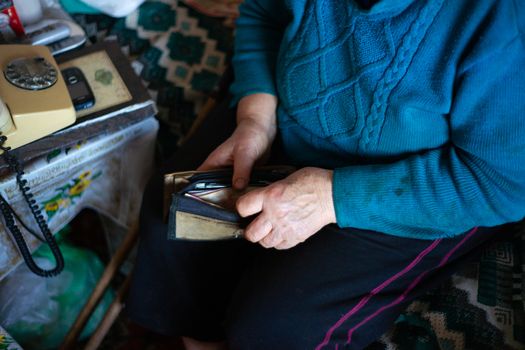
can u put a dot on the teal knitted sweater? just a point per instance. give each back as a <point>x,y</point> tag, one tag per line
<point>417,105</point>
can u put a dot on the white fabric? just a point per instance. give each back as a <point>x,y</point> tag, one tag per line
<point>114,8</point>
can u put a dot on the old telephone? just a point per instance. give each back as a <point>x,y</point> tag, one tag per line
<point>34,102</point>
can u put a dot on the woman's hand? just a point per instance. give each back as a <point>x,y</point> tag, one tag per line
<point>251,141</point>
<point>290,210</point>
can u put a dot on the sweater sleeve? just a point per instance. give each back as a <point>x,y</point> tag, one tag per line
<point>477,179</point>
<point>259,31</point>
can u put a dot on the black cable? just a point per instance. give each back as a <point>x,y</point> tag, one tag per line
<point>10,215</point>
<point>15,215</point>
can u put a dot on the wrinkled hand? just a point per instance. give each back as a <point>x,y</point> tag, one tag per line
<point>250,142</point>
<point>290,210</point>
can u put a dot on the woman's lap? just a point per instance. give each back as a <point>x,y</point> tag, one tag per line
<point>314,294</point>
<point>339,285</point>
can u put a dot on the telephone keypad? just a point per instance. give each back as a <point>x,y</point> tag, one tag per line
<point>31,73</point>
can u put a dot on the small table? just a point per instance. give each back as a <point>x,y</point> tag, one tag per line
<point>102,162</point>
<point>104,166</point>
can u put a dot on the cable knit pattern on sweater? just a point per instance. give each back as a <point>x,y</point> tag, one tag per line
<point>417,105</point>
<point>396,69</point>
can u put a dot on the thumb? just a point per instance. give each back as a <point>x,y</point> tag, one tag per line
<point>250,203</point>
<point>242,167</point>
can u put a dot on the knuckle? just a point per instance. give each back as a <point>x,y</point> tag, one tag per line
<point>280,212</point>
<point>270,240</point>
<point>266,242</point>
<point>246,149</point>
<point>275,192</point>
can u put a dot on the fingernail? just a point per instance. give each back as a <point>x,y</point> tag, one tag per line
<point>240,183</point>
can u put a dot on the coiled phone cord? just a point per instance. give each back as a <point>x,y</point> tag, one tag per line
<point>10,215</point>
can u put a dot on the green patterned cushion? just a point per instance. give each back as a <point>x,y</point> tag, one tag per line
<point>178,52</point>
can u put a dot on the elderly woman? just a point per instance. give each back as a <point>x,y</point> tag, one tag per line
<point>405,120</point>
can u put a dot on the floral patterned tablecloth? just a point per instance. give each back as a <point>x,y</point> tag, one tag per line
<point>107,174</point>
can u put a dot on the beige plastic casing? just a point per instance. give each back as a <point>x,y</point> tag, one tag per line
<point>30,115</point>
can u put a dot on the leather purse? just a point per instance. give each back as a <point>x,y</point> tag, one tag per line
<point>200,205</point>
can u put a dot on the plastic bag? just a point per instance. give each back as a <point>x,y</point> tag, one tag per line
<point>38,312</point>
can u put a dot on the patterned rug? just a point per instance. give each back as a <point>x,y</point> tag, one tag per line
<point>481,307</point>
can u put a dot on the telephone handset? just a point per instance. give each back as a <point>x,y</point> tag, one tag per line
<point>34,102</point>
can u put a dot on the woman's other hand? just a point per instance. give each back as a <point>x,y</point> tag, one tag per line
<point>291,210</point>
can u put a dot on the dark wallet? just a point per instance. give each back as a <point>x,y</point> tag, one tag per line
<point>200,205</point>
